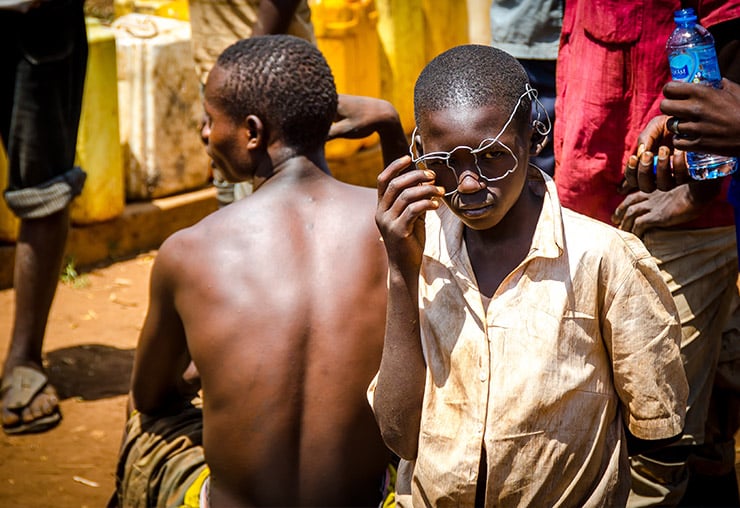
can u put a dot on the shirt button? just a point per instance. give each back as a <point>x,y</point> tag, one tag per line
<point>483,375</point>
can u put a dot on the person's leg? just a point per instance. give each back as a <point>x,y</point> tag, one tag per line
<point>38,259</point>
<point>39,128</point>
<point>713,467</point>
<point>700,267</point>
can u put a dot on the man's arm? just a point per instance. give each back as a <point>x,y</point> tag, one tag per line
<point>157,383</point>
<point>359,117</point>
<point>404,196</point>
<point>274,16</point>
<point>709,118</point>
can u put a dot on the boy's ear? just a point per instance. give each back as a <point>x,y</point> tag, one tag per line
<point>539,140</point>
<point>417,145</point>
<point>255,130</point>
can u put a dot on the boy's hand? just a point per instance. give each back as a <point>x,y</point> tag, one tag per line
<point>405,194</point>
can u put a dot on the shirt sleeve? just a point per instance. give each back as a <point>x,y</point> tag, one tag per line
<point>643,334</point>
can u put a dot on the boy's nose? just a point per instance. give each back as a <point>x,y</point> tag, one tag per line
<point>469,182</point>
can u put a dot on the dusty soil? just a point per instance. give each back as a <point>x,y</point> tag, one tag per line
<point>89,348</point>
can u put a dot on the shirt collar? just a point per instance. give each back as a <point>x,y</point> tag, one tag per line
<point>444,230</point>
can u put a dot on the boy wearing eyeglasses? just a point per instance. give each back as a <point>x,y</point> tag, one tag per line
<point>525,344</point>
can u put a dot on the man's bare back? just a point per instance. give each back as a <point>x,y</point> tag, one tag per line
<point>277,300</point>
<point>276,341</point>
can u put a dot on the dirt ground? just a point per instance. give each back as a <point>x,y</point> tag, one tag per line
<point>89,348</point>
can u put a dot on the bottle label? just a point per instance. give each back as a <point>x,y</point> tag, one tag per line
<point>695,65</point>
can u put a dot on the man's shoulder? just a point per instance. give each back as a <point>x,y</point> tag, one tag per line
<point>182,246</point>
<point>357,191</point>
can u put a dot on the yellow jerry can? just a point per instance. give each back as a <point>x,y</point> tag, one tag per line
<point>8,222</point>
<point>445,25</point>
<point>346,33</point>
<point>403,55</point>
<point>175,9</point>
<point>98,139</point>
<point>412,32</point>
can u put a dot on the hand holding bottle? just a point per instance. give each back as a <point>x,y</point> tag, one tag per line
<point>709,117</point>
<point>693,59</point>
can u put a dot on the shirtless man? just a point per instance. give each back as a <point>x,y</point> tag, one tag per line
<point>278,301</point>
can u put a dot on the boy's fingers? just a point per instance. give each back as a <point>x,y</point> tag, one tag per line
<point>390,172</point>
<point>401,174</point>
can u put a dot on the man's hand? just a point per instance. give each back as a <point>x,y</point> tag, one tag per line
<point>670,170</point>
<point>707,116</point>
<point>641,211</point>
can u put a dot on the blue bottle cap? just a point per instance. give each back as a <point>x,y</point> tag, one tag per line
<point>685,16</point>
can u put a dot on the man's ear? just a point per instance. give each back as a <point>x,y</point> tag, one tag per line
<point>539,139</point>
<point>255,130</point>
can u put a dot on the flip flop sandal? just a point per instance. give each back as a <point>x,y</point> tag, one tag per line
<point>18,392</point>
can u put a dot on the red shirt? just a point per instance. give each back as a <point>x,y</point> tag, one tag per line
<point>611,70</point>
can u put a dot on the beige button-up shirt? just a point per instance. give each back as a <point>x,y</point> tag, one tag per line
<point>580,338</point>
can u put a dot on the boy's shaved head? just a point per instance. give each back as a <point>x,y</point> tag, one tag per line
<point>283,80</point>
<point>471,76</point>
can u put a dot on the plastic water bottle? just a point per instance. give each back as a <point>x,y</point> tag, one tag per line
<point>693,59</point>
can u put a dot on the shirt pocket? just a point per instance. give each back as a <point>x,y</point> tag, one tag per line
<point>612,21</point>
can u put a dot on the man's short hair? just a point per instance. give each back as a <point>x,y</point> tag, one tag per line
<point>286,82</point>
<point>472,75</point>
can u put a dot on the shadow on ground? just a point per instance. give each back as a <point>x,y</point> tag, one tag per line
<point>90,371</point>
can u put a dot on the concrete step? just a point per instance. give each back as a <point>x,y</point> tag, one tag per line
<point>143,226</point>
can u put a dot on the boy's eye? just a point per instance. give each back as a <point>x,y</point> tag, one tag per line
<point>492,155</point>
<point>436,164</point>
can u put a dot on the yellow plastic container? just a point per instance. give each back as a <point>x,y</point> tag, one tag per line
<point>98,141</point>
<point>445,25</point>
<point>403,54</point>
<point>8,222</point>
<point>175,9</point>
<point>479,21</point>
<point>346,33</point>
<point>412,32</point>
<point>160,107</point>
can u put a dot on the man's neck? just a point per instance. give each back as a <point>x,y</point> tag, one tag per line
<point>286,164</point>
